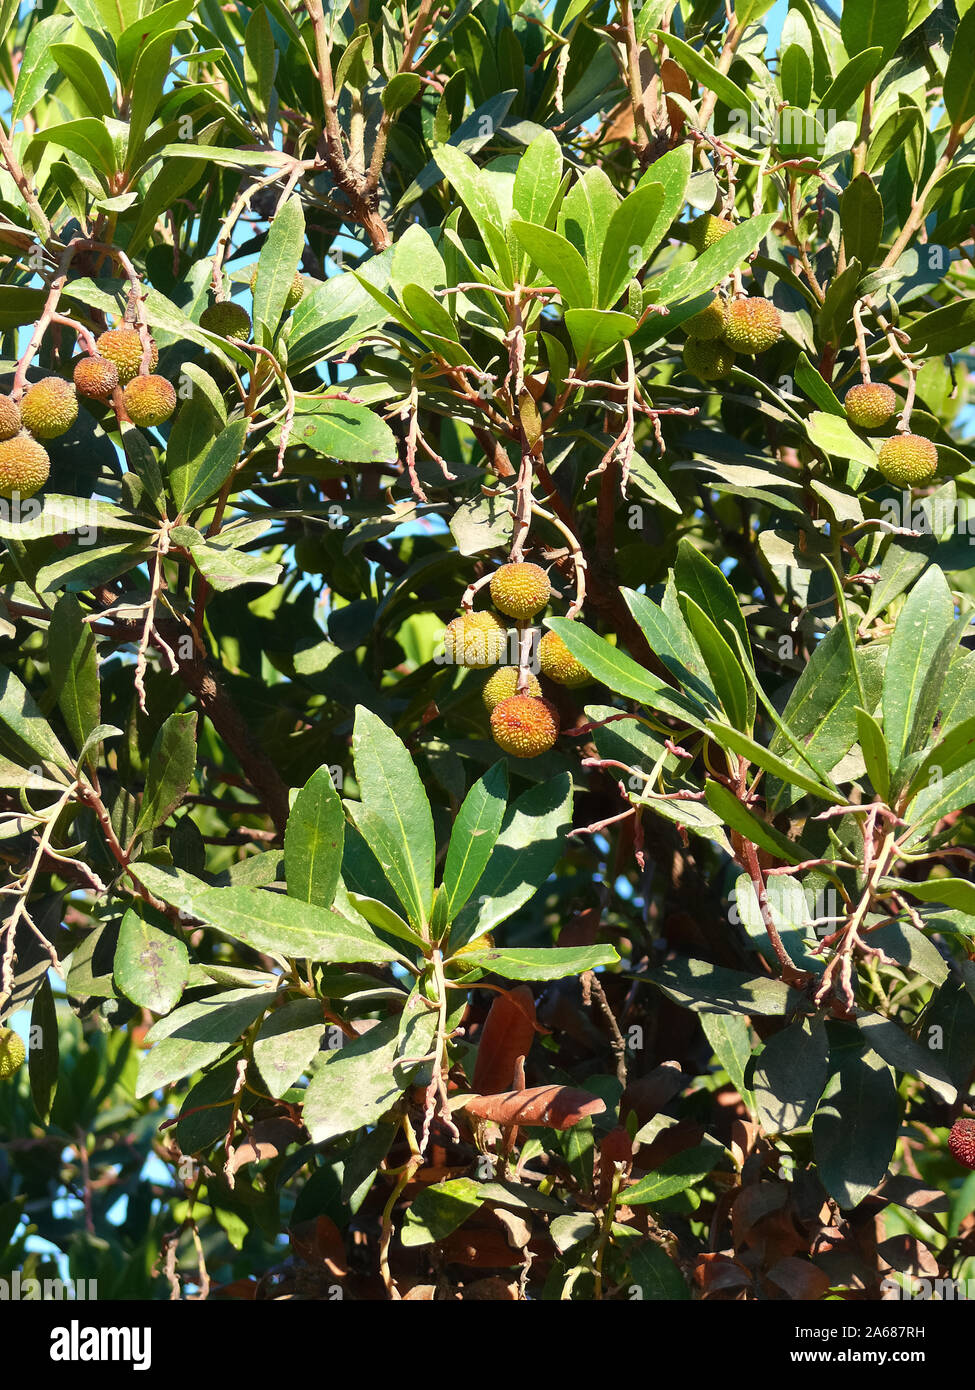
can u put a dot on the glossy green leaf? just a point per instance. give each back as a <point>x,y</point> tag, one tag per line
<point>313,841</point>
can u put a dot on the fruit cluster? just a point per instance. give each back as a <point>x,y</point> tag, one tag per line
<point>721,330</point>
<point>905,459</point>
<point>50,407</point>
<point>522,723</point>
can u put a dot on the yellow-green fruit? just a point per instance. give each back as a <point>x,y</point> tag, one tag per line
<point>705,230</point>
<point>558,663</point>
<point>503,684</point>
<point>869,406</point>
<point>50,408</point>
<point>708,323</point>
<point>9,418</point>
<point>295,293</point>
<point>24,466</point>
<point>475,639</point>
<point>751,325</point>
<point>123,346</point>
<point>228,319</point>
<point>708,360</point>
<point>12,1053</point>
<point>907,459</point>
<point>95,377</point>
<point>520,590</point>
<point>150,400</point>
<point>524,726</point>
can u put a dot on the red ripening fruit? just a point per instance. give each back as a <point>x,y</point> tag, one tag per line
<point>524,726</point>
<point>961,1141</point>
<point>507,1035</point>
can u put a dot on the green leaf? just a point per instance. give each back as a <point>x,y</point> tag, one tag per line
<point>723,666</point>
<point>477,195</point>
<point>955,750</point>
<point>198,481</point>
<point>197,1034</point>
<point>151,73</point>
<point>874,749</point>
<point>923,622</point>
<point>23,729</point>
<point>899,1050</point>
<point>558,261</point>
<point>862,220</point>
<point>621,673</point>
<point>151,966</point>
<point>287,927</point>
<point>345,431</point>
<point>850,83</point>
<point>656,1275</point>
<point>687,1169</point>
<point>288,1042</point>
<point>697,578</point>
<point>790,1076</point>
<point>313,841</point>
<point>473,838</point>
<point>953,892</point>
<point>44,1053</point>
<point>355,1084</point>
<point>855,1130</point>
<point>169,771</point>
<point>780,768</point>
<point>276,269</point>
<point>809,381</point>
<point>527,850</point>
<point>84,72</point>
<point>440,1209</point>
<point>391,791</point>
<point>709,77</point>
<point>259,61</point>
<point>950,329</point>
<point>707,988</point>
<point>624,251</point>
<point>731,1043</point>
<point>537,180</point>
<point>586,212</point>
<point>737,815</point>
<point>686,281</point>
<point>869,23</point>
<point>400,91</point>
<point>959,82</point>
<point>88,138</point>
<point>595,331</point>
<point>223,566</point>
<point>546,963</point>
<point>74,669</point>
<point>38,64</point>
<point>835,437</point>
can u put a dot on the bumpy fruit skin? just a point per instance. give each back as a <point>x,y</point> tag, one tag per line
<point>12,1053</point>
<point>908,459</point>
<point>24,466</point>
<point>150,400</point>
<point>524,726</point>
<point>228,319</point>
<point>705,230</point>
<point>123,346</point>
<point>711,361</point>
<point>503,684</point>
<point>869,406</point>
<point>558,663</point>
<point>9,418</point>
<point>475,639</point>
<point>50,408</point>
<point>961,1141</point>
<point>296,292</point>
<point>95,377</point>
<point>520,590</point>
<point>707,324</point>
<point>751,325</point>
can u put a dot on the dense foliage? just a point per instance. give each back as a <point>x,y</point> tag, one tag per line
<point>648,973</point>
